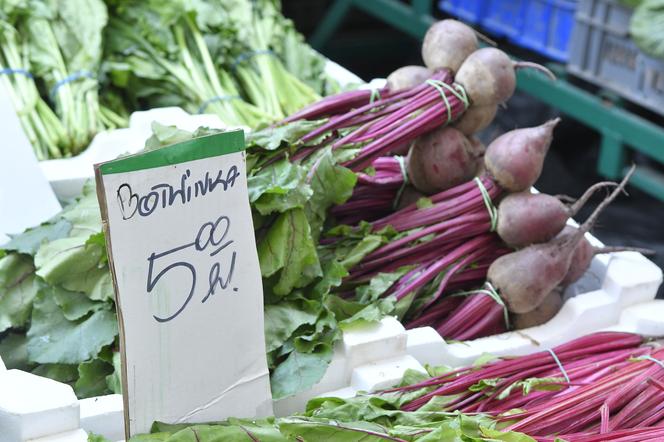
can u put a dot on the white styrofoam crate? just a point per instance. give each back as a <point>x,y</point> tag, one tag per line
<point>32,406</point>
<point>103,415</point>
<point>68,436</point>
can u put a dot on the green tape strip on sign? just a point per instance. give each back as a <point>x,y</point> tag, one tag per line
<point>197,149</point>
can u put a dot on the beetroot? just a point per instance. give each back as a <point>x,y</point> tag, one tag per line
<point>526,218</point>
<point>406,77</point>
<point>446,45</point>
<point>476,118</point>
<point>515,158</point>
<point>541,314</point>
<point>585,252</point>
<point>489,76</point>
<point>525,277</point>
<point>442,159</point>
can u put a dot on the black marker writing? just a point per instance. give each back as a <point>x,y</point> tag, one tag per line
<point>211,239</point>
<point>165,195</point>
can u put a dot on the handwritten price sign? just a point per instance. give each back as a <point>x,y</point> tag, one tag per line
<point>187,279</point>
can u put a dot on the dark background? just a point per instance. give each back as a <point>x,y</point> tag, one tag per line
<point>371,49</point>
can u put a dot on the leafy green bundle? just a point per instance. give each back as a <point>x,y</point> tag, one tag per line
<point>158,54</point>
<point>214,56</point>
<point>75,68</point>
<point>51,59</point>
<point>367,418</point>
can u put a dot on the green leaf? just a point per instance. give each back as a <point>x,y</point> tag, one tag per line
<point>154,437</point>
<point>282,180</point>
<point>92,437</point>
<point>412,377</point>
<point>379,285</point>
<point>273,138</point>
<point>372,313</point>
<point>113,380</point>
<point>485,384</point>
<point>320,430</point>
<point>333,274</point>
<point>437,370</point>
<point>367,245</point>
<point>299,372</point>
<point>510,436</point>
<point>484,359</point>
<point>84,214</point>
<point>92,378</point>
<point>282,319</point>
<point>29,241</point>
<point>65,259</point>
<point>342,308</point>
<point>424,203</point>
<point>14,351</point>
<point>236,430</point>
<point>276,203</point>
<point>100,240</point>
<point>331,184</point>
<point>534,384</point>
<point>18,288</point>
<point>73,305</point>
<point>52,338</point>
<point>66,373</point>
<point>288,247</point>
<point>163,135</point>
<point>96,283</point>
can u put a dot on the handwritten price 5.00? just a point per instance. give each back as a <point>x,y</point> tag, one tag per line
<point>211,239</point>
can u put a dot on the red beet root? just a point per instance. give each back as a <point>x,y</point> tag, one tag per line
<point>406,77</point>
<point>442,159</point>
<point>526,218</point>
<point>525,277</point>
<point>585,252</point>
<point>446,45</point>
<point>549,307</point>
<point>515,158</point>
<point>489,76</point>
<point>476,118</point>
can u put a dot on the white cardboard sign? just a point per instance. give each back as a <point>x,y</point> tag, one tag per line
<point>188,287</point>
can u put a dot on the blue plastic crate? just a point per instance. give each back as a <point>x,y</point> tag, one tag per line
<point>471,11</point>
<point>547,27</point>
<point>504,18</point>
<point>544,26</point>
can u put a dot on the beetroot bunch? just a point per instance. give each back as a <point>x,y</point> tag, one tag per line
<point>464,239</point>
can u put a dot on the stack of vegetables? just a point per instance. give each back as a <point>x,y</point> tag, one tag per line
<point>405,256</point>
<point>601,387</point>
<point>50,65</point>
<point>73,68</point>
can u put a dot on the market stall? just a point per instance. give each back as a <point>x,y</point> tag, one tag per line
<point>249,230</point>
